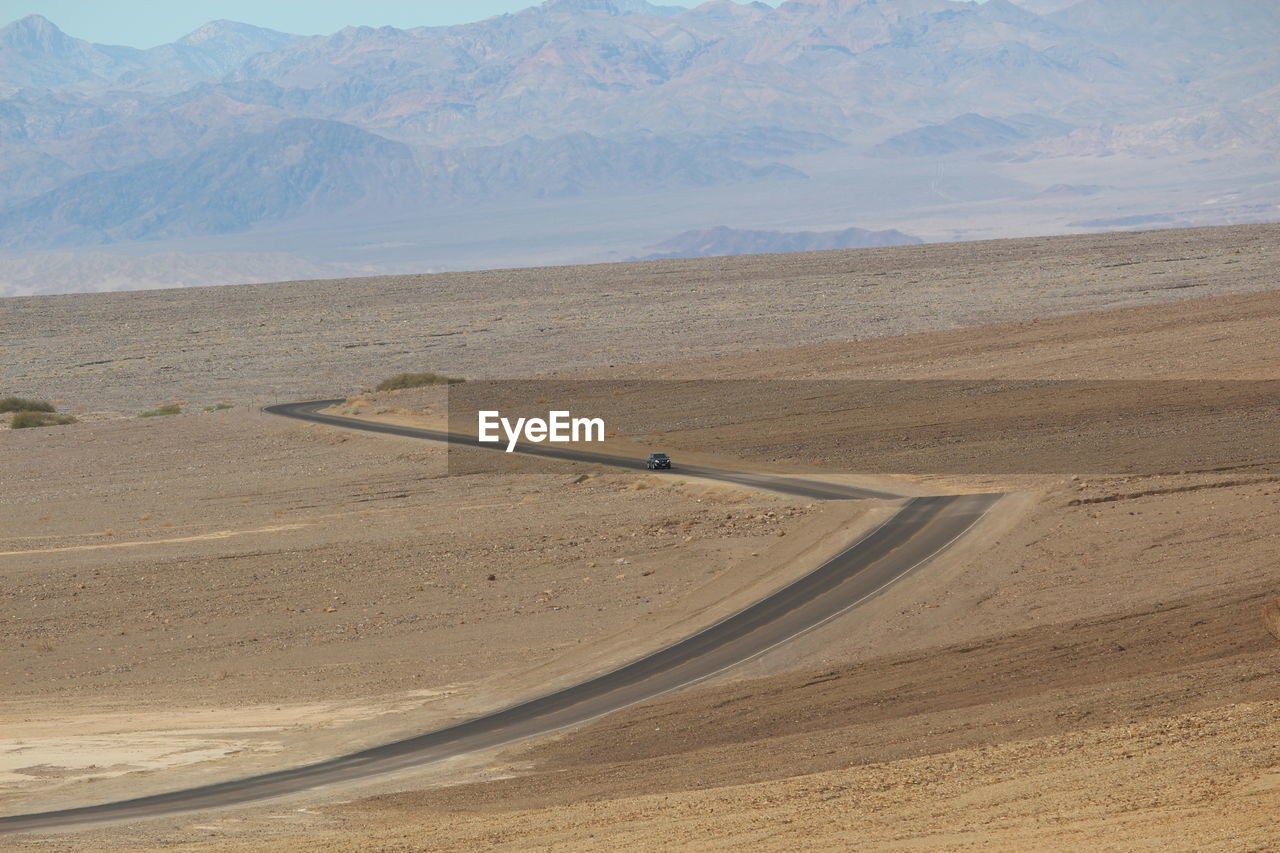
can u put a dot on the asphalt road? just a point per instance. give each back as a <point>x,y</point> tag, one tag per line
<point>312,411</point>
<point>922,527</point>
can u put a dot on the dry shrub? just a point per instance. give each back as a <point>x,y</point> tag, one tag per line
<point>28,420</point>
<point>416,380</point>
<point>24,404</point>
<point>161,411</point>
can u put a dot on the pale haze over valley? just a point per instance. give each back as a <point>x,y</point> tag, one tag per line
<point>604,130</point>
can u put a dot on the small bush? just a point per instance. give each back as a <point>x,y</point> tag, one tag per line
<point>159,411</point>
<point>218,407</point>
<point>416,380</point>
<point>27,420</point>
<point>22,404</point>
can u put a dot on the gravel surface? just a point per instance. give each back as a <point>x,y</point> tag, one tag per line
<point>129,351</point>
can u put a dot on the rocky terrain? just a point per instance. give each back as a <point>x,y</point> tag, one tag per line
<point>121,354</point>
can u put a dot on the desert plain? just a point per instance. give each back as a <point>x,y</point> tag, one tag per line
<point>211,594</point>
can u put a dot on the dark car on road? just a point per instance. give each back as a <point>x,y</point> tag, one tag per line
<point>657,460</point>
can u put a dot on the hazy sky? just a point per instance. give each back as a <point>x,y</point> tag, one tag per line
<point>146,23</point>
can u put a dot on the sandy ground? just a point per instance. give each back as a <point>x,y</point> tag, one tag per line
<point>1090,675</point>
<point>1224,337</point>
<point>1125,786</point>
<point>259,591</point>
<point>195,596</point>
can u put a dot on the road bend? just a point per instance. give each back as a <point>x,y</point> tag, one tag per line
<point>921,528</point>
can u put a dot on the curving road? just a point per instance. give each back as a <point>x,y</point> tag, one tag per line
<point>921,529</point>
<point>313,411</point>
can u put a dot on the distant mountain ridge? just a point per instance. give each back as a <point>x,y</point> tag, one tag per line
<point>307,167</point>
<point>970,132</point>
<point>300,167</point>
<point>722,240</point>
<point>219,47</point>
<point>592,99</point>
<point>35,53</point>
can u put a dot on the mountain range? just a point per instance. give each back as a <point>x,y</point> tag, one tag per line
<point>722,240</point>
<point>677,114</point>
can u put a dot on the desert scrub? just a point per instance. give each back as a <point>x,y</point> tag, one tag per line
<point>416,380</point>
<point>159,411</point>
<point>29,419</point>
<point>22,404</point>
<point>218,407</point>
